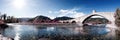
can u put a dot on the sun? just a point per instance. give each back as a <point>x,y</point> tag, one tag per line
<point>19,3</point>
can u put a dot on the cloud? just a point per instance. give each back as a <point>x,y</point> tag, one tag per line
<point>78,14</point>
<point>69,12</point>
<point>50,12</point>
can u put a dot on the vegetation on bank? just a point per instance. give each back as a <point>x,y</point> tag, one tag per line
<point>8,19</point>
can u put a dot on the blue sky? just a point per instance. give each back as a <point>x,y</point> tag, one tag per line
<point>56,8</point>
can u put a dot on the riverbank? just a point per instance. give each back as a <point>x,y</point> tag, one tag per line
<point>5,38</point>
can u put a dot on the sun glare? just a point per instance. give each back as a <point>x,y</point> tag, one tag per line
<point>19,3</point>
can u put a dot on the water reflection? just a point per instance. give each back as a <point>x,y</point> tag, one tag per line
<point>22,32</point>
<point>31,32</point>
<point>96,30</point>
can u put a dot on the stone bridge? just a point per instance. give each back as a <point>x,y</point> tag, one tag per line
<point>108,15</point>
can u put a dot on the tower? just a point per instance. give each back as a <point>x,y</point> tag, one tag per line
<point>94,11</point>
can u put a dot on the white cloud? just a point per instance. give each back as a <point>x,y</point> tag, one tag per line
<point>70,13</point>
<point>49,11</point>
<point>78,15</point>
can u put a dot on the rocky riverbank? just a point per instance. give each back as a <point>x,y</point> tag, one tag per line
<point>5,38</point>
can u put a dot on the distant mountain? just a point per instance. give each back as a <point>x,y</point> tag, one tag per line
<point>42,18</point>
<point>39,18</point>
<point>63,18</point>
<point>23,19</point>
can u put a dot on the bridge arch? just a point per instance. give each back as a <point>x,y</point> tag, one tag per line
<point>88,17</point>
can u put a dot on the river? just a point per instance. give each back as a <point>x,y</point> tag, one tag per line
<point>36,32</point>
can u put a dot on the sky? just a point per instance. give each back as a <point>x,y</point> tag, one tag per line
<point>56,8</point>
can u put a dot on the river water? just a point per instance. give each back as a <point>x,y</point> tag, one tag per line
<point>35,32</point>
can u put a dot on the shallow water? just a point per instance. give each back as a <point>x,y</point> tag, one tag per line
<point>31,32</point>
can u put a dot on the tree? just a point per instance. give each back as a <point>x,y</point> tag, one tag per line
<point>117,17</point>
<point>4,16</point>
